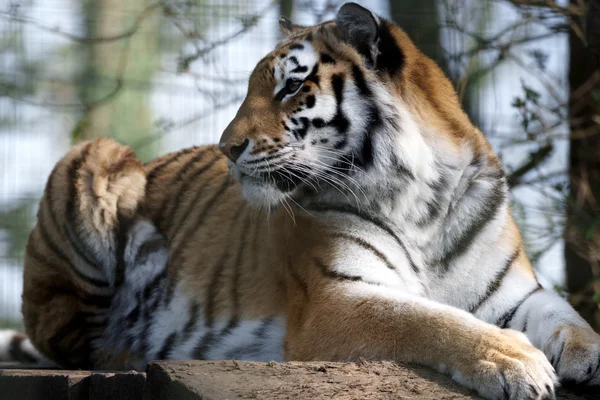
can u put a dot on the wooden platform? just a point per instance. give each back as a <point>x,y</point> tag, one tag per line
<point>212,380</point>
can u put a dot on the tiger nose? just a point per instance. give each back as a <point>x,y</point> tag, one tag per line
<point>233,150</point>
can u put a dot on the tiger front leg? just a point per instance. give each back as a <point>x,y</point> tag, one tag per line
<point>342,321</point>
<point>568,341</point>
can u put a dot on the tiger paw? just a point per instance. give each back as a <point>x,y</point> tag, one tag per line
<point>574,351</point>
<point>507,366</point>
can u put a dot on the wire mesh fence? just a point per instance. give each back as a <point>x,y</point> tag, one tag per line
<point>163,75</point>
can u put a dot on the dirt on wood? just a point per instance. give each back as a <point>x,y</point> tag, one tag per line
<point>212,380</point>
<point>365,380</point>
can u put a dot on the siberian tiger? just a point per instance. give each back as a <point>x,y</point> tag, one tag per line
<point>366,217</point>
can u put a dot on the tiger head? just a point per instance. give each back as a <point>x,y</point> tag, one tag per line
<point>340,106</point>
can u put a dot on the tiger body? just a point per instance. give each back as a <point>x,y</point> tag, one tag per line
<point>359,213</point>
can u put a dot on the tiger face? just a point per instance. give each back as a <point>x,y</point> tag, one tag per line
<point>325,112</point>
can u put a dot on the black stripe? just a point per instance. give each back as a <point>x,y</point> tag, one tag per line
<point>369,218</point>
<point>325,270</point>
<point>147,292</point>
<point>181,177</point>
<point>43,260</point>
<point>231,325</point>
<point>211,339</point>
<point>45,238</point>
<point>390,58</point>
<point>150,246</point>
<point>153,173</point>
<point>495,284</point>
<point>505,320</point>
<point>168,218</point>
<point>373,115</point>
<point>268,158</point>
<point>301,130</point>
<point>80,248</point>
<point>313,76</point>
<point>169,211</point>
<point>327,59</point>
<point>133,316</point>
<point>72,213</point>
<point>48,193</point>
<point>293,60</point>
<point>263,327</point>
<point>149,306</point>
<point>251,348</point>
<point>235,282</point>
<point>63,356</point>
<point>360,82</point>
<point>340,144</point>
<point>167,346</point>
<point>211,292</point>
<point>368,246</point>
<point>297,46</point>
<point>200,217</point>
<point>87,299</point>
<point>199,352</point>
<point>94,300</point>
<point>490,206</point>
<point>339,120</point>
<point>300,69</point>
<point>435,205</point>
<point>161,208</point>
<point>121,236</point>
<point>192,321</point>
<point>188,165</point>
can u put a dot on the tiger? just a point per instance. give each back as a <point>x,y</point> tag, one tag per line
<point>351,210</point>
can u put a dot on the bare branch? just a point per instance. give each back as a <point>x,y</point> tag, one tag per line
<point>535,159</point>
<point>146,141</point>
<point>571,10</point>
<point>83,39</point>
<point>249,23</point>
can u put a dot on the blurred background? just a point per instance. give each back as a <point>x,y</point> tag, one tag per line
<point>160,75</point>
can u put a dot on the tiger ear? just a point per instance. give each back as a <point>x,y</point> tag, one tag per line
<point>288,27</point>
<point>359,28</point>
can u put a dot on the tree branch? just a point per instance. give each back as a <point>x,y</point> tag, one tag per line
<point>535,158</point>
<point>83,39</point>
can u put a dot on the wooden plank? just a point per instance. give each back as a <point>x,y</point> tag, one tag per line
<point>37,384</point>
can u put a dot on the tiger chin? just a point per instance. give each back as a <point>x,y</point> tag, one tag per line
<point>366,217</point>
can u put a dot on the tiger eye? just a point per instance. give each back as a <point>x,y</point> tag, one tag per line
<point>292,86</point>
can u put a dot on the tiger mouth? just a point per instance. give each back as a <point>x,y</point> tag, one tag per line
<point>285,180</point>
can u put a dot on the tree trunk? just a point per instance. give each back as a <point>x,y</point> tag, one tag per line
<point>117,74</point>
<point>420,20</point>
<point>582,247</point>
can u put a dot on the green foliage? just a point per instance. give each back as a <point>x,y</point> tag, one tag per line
<point>78,131</point>
<point>16,324</point>
<point>15,223</point>
<point>527,105</point>
<point>540,58</point>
